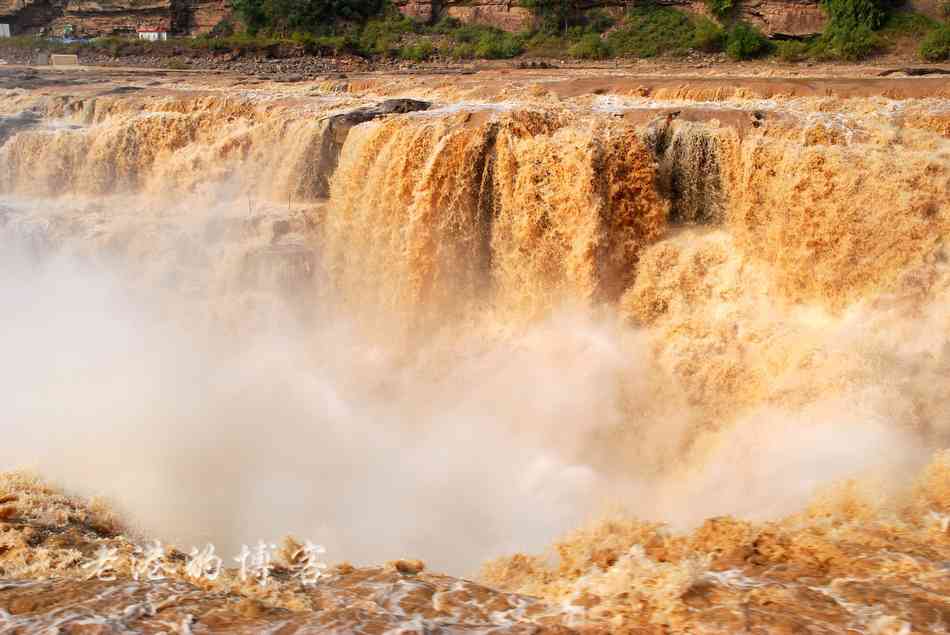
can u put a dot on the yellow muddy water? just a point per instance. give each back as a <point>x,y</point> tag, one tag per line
<point>695,337</point>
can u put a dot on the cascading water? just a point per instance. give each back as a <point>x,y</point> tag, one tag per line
<point>456,331</point>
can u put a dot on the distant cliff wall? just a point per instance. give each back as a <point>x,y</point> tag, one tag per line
<point>105,17</point>
<point>772,17</point>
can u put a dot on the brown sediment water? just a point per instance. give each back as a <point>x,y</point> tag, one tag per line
<point>691,332</point>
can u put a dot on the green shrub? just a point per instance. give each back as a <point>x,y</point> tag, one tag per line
<point>475,40</point>
<point>497,45</point>
<point>908,23</point>
<point>464,51</point>
<point>649,31</point>
<point>307,40</point>
<point>599,21</point>
<point>224,28</point>
<point>207,42</point>
<point>850,14</point>
<point>590,47</point>
<point>470,33</point>
<point>542,44</point>
<point>707,35</point>
<point>555,15</point>
<point>418,52</point>
<point>850,31</point>
<point>30,42</point>
<point>334,45</point>
<point>792,50</point>
<point>314,16</point>
<point>744,42</point>
<point>853,44</point>
<point>243,42</point>
<point>721,8</point>
<point>936,46</point>
<point>446,25</point>
<point>382,36</point>
<point>116,46</point>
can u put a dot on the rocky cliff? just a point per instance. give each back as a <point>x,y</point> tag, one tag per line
<point>503,14</point>
<point>776,18</point>
<point>773,17</point>
<point>780,17</point>
<point>106,17</point>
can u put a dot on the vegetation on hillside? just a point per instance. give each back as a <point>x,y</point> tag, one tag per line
<point>648,31</point>
<point>851,26</point>
<point>744,42</point>
<point>936,45</point>
<point>318,17</point>
<point>374,28</point>
<point>722,9</point>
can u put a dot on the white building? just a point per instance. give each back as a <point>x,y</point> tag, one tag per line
<point>4,30</point>
<point>152,35</point>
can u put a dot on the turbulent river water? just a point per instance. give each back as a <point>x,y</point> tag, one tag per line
<point>472,323</point>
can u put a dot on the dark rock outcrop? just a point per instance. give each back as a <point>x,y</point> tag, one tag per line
<point>338,127</point>
<point>10,125</point>
<point>368,113</point>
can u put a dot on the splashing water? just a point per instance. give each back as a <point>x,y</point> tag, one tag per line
<point>465,332</point>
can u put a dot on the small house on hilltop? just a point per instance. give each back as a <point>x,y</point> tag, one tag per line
<point>152,34</point>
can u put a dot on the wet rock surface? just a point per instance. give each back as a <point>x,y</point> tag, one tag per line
<point>14,123</point>
<point>359,601</point>
<point>48,541</point>
<point>338,127</point>
<point>388,107</point>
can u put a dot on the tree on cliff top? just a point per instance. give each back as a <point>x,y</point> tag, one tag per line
<point>851,26</point>
<point>313,16</point>
<point>555,15</point>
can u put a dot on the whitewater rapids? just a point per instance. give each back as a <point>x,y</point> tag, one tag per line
<point>467,330</point>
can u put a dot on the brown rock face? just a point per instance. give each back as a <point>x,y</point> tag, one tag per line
<point>773,17</point>
<point>29,15</point>
<point>503,14</point>
<point>507,15</point>
<point>200,16</point>
<point>933,8</point>
<point>105,17</point>
<point>784,17</point>
<point>420,10</point>
<point>112,16</point>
